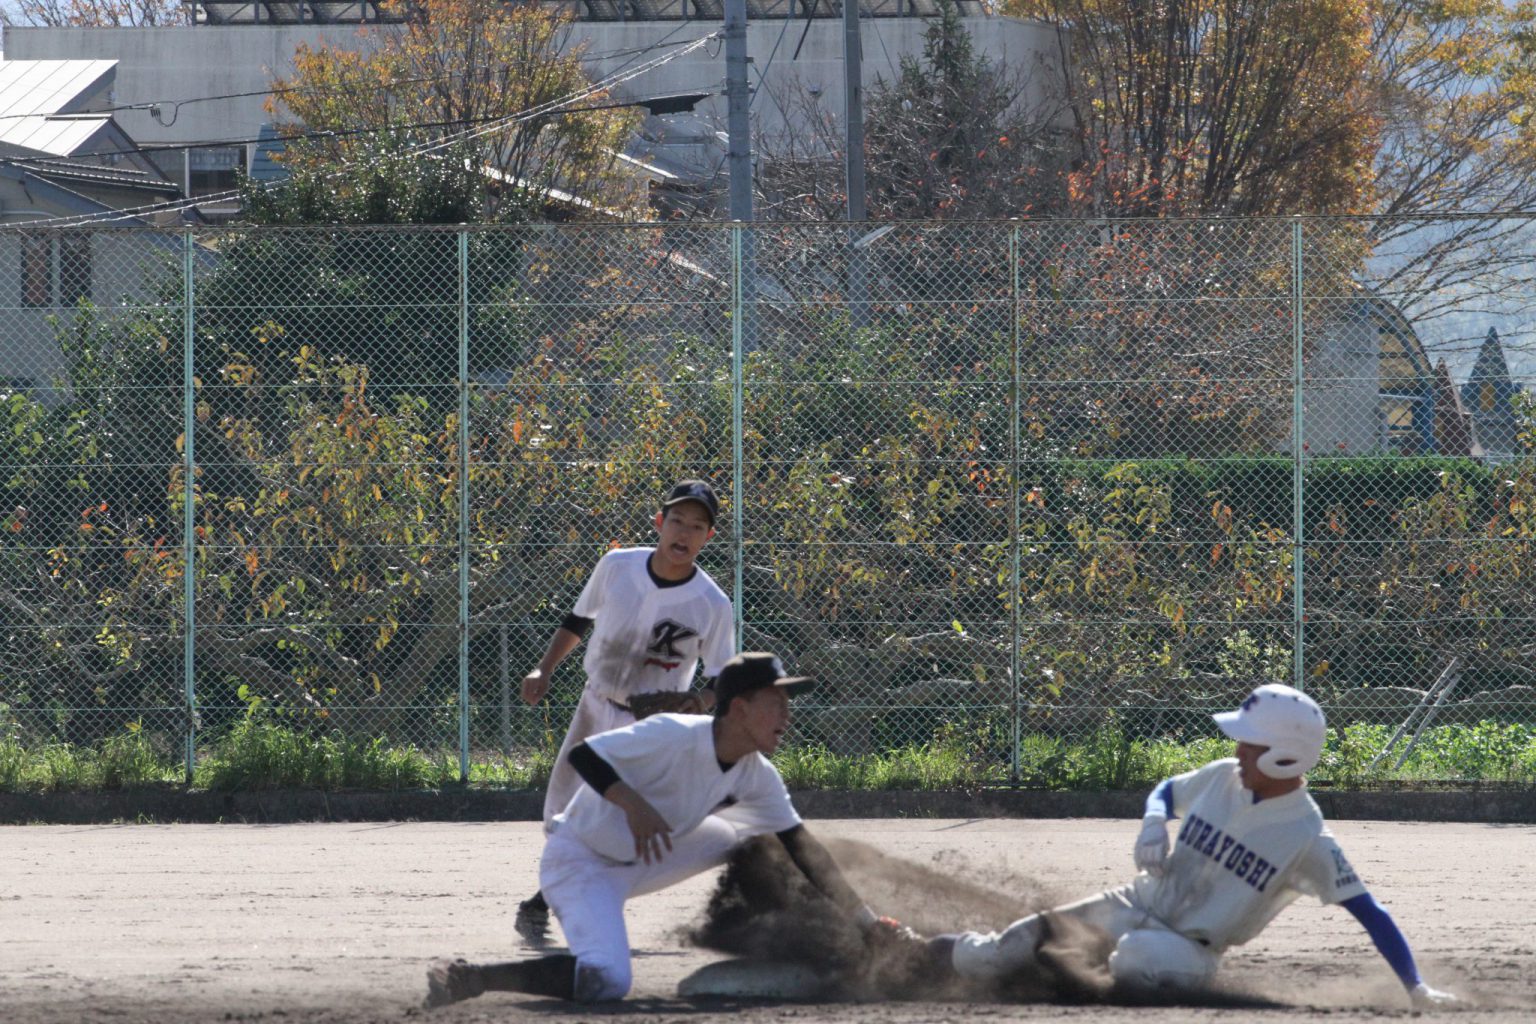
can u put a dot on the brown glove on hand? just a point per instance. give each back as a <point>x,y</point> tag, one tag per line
<point>655,702</point>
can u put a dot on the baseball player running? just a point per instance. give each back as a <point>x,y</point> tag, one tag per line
<point>1250,841</point>
<point>661,800</point>
<point>653,615</point>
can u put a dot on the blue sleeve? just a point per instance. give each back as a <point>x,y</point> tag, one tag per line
<point>1386,935</point>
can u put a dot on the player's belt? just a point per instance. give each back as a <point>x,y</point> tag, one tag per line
<point>609,700</point>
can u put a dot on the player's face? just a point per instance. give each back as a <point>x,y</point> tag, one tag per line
<point>765,717</point>
<point>682,531</point>
<point>1248,764</point>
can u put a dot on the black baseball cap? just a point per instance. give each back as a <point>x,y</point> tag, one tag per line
<point>756,670</point>
<point>694,490</point>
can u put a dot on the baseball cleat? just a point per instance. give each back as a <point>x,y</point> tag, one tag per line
<point>449,981</point>
<point>532,921</point>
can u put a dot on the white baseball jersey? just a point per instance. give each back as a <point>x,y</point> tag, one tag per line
<point>649,634</point>
<point>670,760</point>
<point>1236,864</point>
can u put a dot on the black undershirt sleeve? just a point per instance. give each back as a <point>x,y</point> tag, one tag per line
<point>594,771</point>
<point>574,623</point>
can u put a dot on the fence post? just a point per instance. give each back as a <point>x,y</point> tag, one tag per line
<point>188,511</point>
<point>738,338</point>
<point>1015,571</point>
<point>1298,461</point>
<point>463,531</point>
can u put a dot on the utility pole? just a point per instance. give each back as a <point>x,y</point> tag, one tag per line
<point>853,135</point>
<point>739,156</point>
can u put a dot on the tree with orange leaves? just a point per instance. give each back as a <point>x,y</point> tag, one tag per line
<point>475,99</point>
<point>1217,106</point>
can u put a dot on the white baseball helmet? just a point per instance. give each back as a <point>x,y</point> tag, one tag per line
<point>1286,721</point>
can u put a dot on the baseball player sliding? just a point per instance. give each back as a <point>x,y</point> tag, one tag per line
<point>653,615</point>
<point>1250,840</point>
<point>660,800</point>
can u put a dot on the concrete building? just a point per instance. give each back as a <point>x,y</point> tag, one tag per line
<point>204,85</point>
<point>1370,386</point>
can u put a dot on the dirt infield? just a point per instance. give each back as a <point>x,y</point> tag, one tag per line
<point>304,924</point>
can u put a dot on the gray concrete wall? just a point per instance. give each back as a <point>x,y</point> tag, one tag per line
<point>167,64</point>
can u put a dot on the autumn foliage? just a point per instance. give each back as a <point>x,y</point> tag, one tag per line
<point>1217,106</point>
<point>488,91</point>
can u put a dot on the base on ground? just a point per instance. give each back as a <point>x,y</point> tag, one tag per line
<point>755,979</point>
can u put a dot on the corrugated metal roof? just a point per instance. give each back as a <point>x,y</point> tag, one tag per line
<point>43,103</point>
<point>97,174</point>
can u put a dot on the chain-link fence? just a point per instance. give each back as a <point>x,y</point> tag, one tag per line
<point>995,484</point>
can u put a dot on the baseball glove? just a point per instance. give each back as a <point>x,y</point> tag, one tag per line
<point>655,702</point>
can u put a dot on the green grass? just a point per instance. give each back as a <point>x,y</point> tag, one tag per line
<point>1486,752</point>
<point>264,755</point>
<point>259,754</point>
<point>932,766</point>
<point>123,761</point>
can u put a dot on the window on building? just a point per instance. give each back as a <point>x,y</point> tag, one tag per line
<point>1400,425</point>
<point>36,271</point>
<point>215,169</point>
<point>74,269</point>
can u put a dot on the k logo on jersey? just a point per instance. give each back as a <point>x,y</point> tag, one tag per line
<point>662,649</point>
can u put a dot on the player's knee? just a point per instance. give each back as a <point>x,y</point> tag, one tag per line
<point>997,954</point>
<point>1150,959</point>
<point>598,982</point>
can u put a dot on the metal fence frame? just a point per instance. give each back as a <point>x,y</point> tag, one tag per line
<point>740,237</point>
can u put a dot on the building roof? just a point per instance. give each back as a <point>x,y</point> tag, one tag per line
<point>86,175</point>
<point>1489,393</point>
<point>268,12</point>
<point>1455,433</point>
<point>45,104</point>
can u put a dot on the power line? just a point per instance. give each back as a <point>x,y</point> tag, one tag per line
<point>171,147</point>
<point>653,104</point>
<point>176,105</point>
<point>539,110</point>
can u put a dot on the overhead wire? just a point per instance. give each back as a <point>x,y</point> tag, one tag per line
<point>148,105</point>
<point>171,147</point>
<point>540,110</point>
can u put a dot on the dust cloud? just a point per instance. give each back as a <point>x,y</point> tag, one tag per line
<point>763,908</point>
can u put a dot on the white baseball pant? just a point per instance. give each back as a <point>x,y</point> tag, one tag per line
<point>593,715</point>
<point>587,892</point>
<point>1147,953</point>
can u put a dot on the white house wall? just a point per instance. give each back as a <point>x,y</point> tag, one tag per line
<point>125,267</point>
<point>1341,396</point>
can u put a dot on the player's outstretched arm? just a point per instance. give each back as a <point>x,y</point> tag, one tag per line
<point>817,865</point>
<point>536,682</point>
<point>1393,946</point>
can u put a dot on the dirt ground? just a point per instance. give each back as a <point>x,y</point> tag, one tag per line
<point>335,924</point>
